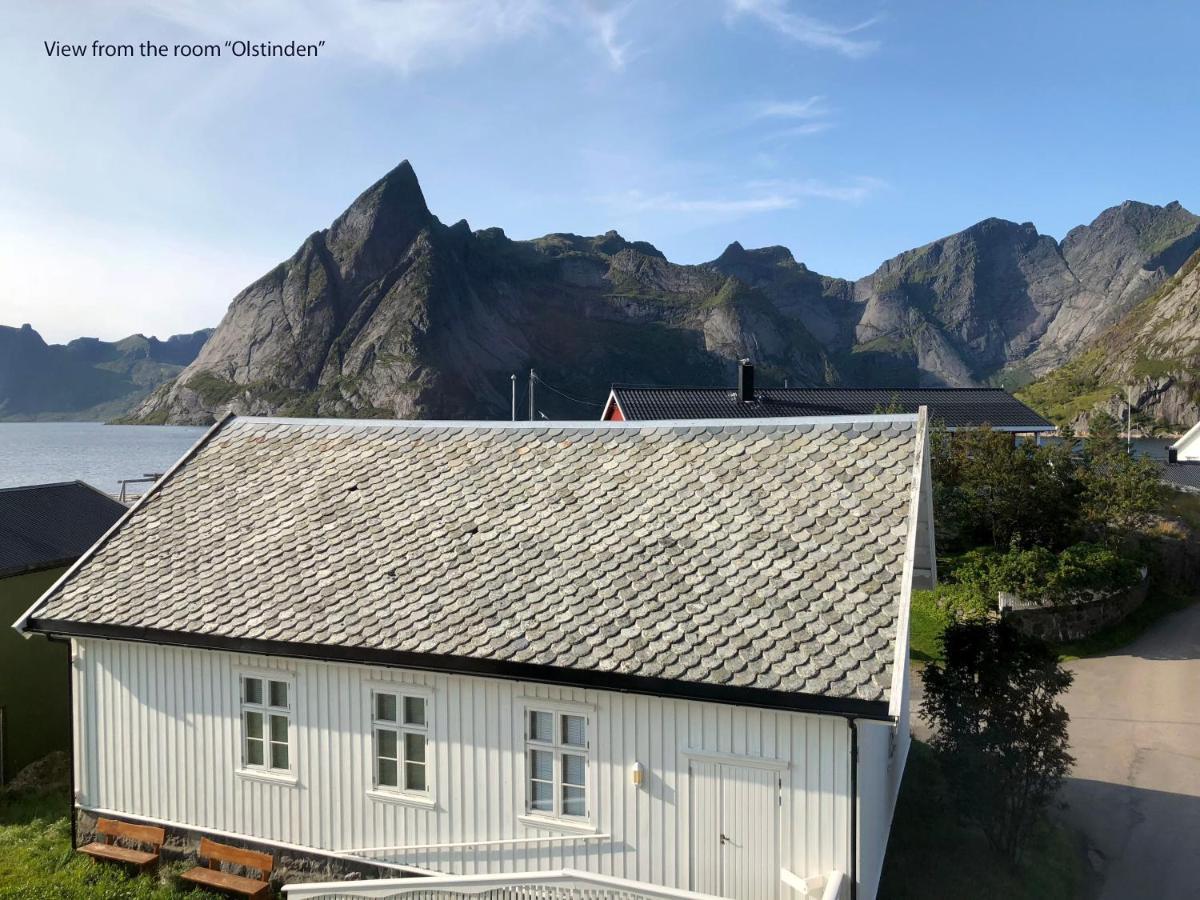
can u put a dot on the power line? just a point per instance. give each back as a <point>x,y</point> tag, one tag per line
<point>540,380</point>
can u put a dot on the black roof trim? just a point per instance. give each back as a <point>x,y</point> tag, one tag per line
<point>849,707</point>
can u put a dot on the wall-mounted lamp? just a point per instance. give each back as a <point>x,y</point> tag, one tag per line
<point>636,773</point>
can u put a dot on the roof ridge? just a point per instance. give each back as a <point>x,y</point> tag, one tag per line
<point>49,484</point>
<point>578,424</point>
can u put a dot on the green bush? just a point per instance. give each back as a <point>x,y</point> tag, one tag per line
<point>1039,574</point>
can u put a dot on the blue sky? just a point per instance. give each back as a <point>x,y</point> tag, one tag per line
<point>142,194</point>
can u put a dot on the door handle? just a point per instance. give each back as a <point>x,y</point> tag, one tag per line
<point>724,839</point>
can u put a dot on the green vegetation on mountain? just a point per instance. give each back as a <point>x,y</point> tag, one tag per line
<point>1151,355</point>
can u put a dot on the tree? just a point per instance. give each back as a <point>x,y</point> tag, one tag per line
<point>990,490</point>
<point>1000,731</point>
<point>1121,492</point>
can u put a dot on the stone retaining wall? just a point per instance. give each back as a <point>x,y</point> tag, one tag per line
<point>1072,621</point>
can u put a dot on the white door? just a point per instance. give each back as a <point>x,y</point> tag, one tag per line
<point>735,830</point>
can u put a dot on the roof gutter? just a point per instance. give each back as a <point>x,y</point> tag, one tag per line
<point>847,707</point>
<point>22,625</point>
<point>919,476</point>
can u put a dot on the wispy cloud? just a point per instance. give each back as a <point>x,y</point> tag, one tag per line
<point>807,30</point>
<point>753,198</point>
<point>406,35</point>
<point>636,201</point>
<point>605,23</point>
<point>852,190</point>
<point>812,108</point>
<point>810,116</point>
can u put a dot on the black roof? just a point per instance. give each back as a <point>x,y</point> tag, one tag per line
<point>1184,475</point>
<point>48,525</point>
<point>956,407</point>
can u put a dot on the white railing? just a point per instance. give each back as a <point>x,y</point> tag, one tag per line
<point>561,884</point>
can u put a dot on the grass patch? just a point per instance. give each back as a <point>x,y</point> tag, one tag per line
<point>1183,506</point>
<point>927,621</point>
<point>932,854</point>
<point>1158,603</point>
<point>37,862</point>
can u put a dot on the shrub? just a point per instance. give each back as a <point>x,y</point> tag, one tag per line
<point>1039,574</point>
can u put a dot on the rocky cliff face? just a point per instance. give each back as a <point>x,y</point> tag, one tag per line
<point>87,378</point>
<point>1149,359</point>
<point>388,312</point>
<point>999,301</point>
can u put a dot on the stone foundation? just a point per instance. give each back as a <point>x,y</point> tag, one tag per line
<point>1072,621</point>
<point>291,866</point>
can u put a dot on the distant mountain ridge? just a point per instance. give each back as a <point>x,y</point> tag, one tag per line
<point>390,312</point>
<point>87,378</point>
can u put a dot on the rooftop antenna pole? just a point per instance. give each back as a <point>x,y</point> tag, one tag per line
<point>513,379</point>
<point>532,378</point>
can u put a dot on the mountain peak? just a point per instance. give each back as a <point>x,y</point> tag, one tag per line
<point>733,252</point>
<point>382,219</point>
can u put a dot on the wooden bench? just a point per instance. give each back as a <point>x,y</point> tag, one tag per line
<point>214,877</point>
<point>112,830</point>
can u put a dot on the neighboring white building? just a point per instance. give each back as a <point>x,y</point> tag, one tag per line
<point>674,655</point>
<point>1187,448</point>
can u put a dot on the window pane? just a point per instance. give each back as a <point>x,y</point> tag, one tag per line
<point>387,773</point>
<point>541,726</point>
<point>279,756</point>
<point>414,710</point>
<point>414,747</point>
<point>254,724</point>
<point>574,801</point>
<point>254,752</point>
<point>574,731</point>
<point>279,692</point>
<point>252,690</point>
<point>541,765</point>
<point>385,707</point>
<point>385,743</point>
<point>574,768</point>
<point>414,776</point>
<point>279,728</point>
<point>541,796</point>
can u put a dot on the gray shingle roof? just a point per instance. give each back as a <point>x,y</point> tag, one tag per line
<point>760,554</point>
<point>956,407</point>
<point>48,525</point>
<point>1184,476</point>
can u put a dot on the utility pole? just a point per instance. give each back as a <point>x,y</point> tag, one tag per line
<point>532,378</point>
<point>513,379</point>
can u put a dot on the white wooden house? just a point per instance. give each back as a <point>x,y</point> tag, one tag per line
<point>670,655</point>
<point>1187,448</point>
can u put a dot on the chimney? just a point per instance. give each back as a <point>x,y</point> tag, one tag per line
<point>745,381</point>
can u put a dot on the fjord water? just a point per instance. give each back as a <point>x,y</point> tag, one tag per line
<point>101,455</point>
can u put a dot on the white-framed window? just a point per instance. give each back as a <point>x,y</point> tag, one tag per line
<point>400,741</point>
<point>557,755</point>
<point>266,723</point>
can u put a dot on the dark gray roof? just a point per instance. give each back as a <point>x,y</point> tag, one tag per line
<point>764,555</point>
<point>1185,475</point>
<point>956,407</point>
<point>48,525</point>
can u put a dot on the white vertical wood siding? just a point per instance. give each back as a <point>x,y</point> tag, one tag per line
<point>159,738</point>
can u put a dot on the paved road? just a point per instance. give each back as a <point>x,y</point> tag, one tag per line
<point>1135,789</point>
